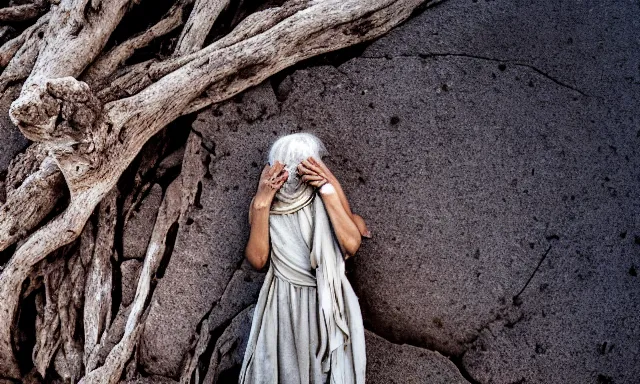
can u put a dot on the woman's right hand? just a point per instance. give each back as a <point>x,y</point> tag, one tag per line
<point>271,179</point>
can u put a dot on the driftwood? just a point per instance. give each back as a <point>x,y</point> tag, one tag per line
<point>90,105</point>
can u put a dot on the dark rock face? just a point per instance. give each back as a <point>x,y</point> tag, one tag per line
<point>492,149</point>
<point>390,363</point>
<point>137,232</point>
<point>209,248</point>
<point>130,270</point>
<point>228,352</point>
<point>13,141</point>
<point>150,380</point>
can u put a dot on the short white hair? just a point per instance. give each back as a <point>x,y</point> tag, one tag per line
<point>291,150</point>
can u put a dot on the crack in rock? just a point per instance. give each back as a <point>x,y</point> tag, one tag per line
<point>479,57</point>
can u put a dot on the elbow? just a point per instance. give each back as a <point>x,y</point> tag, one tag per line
<point>256,258</point>
<point>352,245</point>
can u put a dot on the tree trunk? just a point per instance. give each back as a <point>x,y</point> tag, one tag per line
<point>90,100</point>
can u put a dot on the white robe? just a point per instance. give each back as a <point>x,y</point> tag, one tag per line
<point>307,326</point>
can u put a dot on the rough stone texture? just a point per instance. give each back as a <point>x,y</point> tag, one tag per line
<point>13,141</point>
<point>130,271</point>
<point>558,168</point>
<point>114,334</point>
<point>137,232</point>
<point>3,191</point>
<point>209,248</point>
<point>228,352</point>
<point>488,145</point>
<point>390,363</point>
<point>240,293</point>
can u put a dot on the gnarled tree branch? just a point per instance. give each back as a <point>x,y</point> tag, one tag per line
<point>201,19</point>
<point>106,65</point>
<point>23,12</point>
<point>93,142</point>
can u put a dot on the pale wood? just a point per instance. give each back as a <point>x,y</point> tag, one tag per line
<point>97,305</point>
<point>18,55</point>
<point>22,12</point>
<point>107,64</point>
<point>48,320</point>
<point>201,19</point>
<point>27,205</point>
<point>93,142</point>
<point>9,49</point>
<point>179,196</point>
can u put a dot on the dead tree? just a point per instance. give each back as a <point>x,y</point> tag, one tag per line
<point>89,103</point>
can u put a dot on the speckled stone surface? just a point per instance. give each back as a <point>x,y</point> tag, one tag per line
<point>12,140</point>
<point>492,148</point>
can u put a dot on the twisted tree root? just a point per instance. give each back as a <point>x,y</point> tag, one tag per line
<point>92,144</point>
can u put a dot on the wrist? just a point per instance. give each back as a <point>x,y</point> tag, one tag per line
<point>261,203</point>
<point>327,189</point>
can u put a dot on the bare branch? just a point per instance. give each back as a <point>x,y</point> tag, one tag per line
<point>201,19</point>
<point>75,36</point>
<point>30,203</point>
<point>97,306</point>
<point>138,77</point>
<point>93,145</point>
<point>48,321</point>
<point>23,12</point>
<point>9,49</point>
<point>180,194</point>
<point>18,55</point>
<point>5,31</point>
<point>55,234</point>
<point>70,305</point>
<point>106,65</point>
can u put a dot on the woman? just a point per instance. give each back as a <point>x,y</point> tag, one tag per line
<point>307,326</point>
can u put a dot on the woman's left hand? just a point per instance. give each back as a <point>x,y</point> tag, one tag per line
<point>314,172</point>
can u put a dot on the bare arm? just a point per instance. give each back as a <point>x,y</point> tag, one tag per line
<point>344,227</point>
<point>271,179</point>
<point>348,226</point>
<point>359,221</point>
<point>326,176</point>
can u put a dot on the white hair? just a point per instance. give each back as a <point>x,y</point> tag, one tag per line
<point>291,150</point>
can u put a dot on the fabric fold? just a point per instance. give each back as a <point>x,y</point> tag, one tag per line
<point>307,326</point>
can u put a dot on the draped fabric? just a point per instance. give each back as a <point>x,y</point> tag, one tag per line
<point>307,326</point>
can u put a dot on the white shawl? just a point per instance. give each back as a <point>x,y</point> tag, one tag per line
<point>342,344</point>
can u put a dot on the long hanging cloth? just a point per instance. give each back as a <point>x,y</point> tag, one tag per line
<point>341,344</point>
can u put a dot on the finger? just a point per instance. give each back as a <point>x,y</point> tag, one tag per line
<point>279,183</point>
<point>318,183</point>
<point>312,167</point>
<point>265,170</point>
<point>283,171</point>
<point>279,167</point>
<point>284,175</point>
<point>271,170</point>
<point>307,178</point>
<point>319,163</point>
<point>276,168</point>
<point>281,180</point>
<point>302,170</point>
<point>314,161</point>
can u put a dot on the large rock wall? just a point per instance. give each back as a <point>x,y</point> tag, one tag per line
<point>492,148</point>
